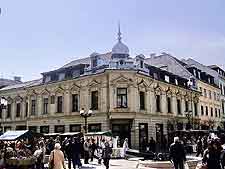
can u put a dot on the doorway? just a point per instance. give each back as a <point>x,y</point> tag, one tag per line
<point>123,131</point>
<point>143,136</point>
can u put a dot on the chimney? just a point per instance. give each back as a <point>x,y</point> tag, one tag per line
<point>17,78</point>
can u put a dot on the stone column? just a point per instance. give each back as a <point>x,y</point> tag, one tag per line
<point>183,106</point>
<point>163,103</point>
<point>152,102</point>
<point>174,105</point>
<point>147,101</point>
<point>13,110</point>
<point>67,101</point>
<point>39,105</point>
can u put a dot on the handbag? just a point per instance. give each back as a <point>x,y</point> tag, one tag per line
<point>51,163</point>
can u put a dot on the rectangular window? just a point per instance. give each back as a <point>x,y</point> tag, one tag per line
<point>167,78</point>
<point>75,103</point>
<point>59,104</point>
<point>44,129</point>
<point>202,110</point>
<point>210,94</point>
<point>94,100</point>
<point>75,128</point>
<point>59,129</point>
<point>142,63</point>
<point>206,111</point>
<point>214,95</point>
<point>26,110</point>
<point>158,103</point>
<point>45,106</point>
<point>8,111</point>
<point>95,62</point>
<point>178,106</point>
<point>219,112</point>
<point>169,104</point>
<point>186,106</point>
<point>18,110</point>
<point>122,97</point>
<point>33,107</point>
<point>142,100</point>
<point>33,128</point>
<point>205,93</point>
<point>196,109</point>
<point>200,88</point>
<point>94,127</point>
<point>52,99</point>
<point>216,112</point>
<point>211,112</point>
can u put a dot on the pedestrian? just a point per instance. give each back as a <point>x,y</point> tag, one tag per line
<point>69,151</point>
<point>177,154</point>
<point>93,148</point>
<point>199,147</point>
<point>58,157</point>
<point>86,150</point>
<point>76,149</point>
<point>152,145</point>
<point>125,147</point>
<point>38,155</point>
<point>106,154</point>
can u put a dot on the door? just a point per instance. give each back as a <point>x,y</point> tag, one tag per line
<point>143,136</point>
<point>123,131</point>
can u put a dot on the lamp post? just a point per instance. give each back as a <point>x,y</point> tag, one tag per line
<point>3,105</point>
<point>85,115</point>
<point>189,115</point>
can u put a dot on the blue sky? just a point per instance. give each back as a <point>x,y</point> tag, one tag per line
<point>38,36</point>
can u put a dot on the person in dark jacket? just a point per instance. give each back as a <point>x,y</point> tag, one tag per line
<point>86,151</point>
<point>177,154</point>
<point>152,145</point>
<point>106,154</point>
<point>199,147</point>
<point>93,147</point>
<point>212,155</point>
<point>69,151</point>
<point>76,148</point>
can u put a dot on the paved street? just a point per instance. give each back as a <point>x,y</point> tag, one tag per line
<point>114,164</point>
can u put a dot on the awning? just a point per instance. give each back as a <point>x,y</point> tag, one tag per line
<point>101,133</point>
<point>15,135</point>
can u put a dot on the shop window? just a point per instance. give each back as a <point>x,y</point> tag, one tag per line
<point>59,129</point>
<point>33,128</point>
<point>94,127</point>
<point>44,129</point>
<point>75,128</point>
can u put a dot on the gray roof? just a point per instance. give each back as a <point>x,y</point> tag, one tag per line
<point>7,82</point>
<point>22,85</point>
<point>87,60</point>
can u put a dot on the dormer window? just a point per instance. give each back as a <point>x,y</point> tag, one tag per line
<point>167,78</point>
<point>176,81</point>
<point>94,62</point>
<point>121,62</point>
<point>141,63</point>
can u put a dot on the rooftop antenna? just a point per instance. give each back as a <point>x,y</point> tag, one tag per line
<point>119,33</point>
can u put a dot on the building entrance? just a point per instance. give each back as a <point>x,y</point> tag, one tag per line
<point>122,130</point>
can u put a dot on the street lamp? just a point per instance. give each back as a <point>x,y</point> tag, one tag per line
<point>3,105</point>
<point>85,115</point>
<point>189,115</point>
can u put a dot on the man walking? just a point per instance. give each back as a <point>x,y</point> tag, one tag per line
<point>177,154</point>
<point>106,155</point>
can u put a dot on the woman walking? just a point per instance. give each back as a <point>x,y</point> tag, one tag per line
<point>57,157</point>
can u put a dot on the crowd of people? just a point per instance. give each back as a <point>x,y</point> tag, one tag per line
<point>71,149</point>
<point>211,148</point>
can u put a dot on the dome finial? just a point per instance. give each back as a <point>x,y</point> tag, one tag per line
<point>119,33</point>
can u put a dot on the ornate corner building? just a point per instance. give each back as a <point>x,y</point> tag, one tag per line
<point>128,95</point>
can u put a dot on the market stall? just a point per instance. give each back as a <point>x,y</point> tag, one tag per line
<point>17,154</point>
<point>107,135</point>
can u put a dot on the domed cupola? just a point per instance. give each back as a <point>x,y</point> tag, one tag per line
<point>120,50</point>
